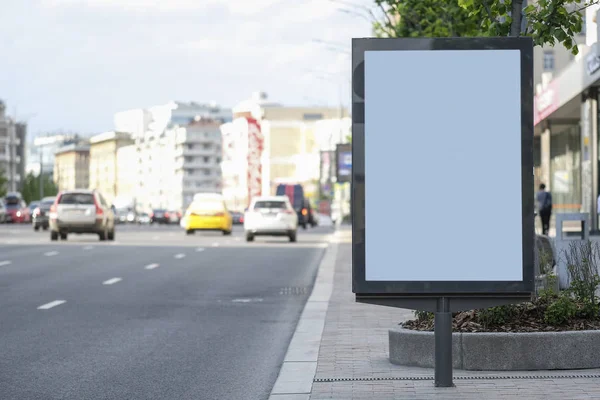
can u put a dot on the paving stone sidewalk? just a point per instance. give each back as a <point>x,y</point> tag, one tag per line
<point>355,346</point>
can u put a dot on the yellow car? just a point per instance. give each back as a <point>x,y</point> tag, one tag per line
<point>208,214</point>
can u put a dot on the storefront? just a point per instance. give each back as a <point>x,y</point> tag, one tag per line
<point>566,136</point>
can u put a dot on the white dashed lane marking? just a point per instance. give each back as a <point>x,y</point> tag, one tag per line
<point>257,300</point>
<point>199,249</point>
<point>3,263</point>
<point>215,244</point>
<point>51,253</point>
<point>179,256</point>
<point>151,266</point>
<point>112,281</point>
<point>54,303</point>
<point>88,247</point>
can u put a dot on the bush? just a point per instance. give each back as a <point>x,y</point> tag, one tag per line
<point>583,261</point>
<point>423,316</point>
<point>561,310</point>
<point>494,316</point>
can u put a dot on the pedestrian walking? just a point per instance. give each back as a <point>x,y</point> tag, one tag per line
<point>544,206</point>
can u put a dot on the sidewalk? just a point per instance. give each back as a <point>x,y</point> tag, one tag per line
<point>353,359</point>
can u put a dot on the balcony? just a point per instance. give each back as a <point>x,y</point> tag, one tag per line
<point>198,151</point>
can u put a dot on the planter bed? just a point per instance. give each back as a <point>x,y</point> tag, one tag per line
<point>500,351</point>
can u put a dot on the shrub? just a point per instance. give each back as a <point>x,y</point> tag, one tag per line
<point>583,260</point>
<point>499,315</point>
<point>423,316</point>
<point>561,310</point>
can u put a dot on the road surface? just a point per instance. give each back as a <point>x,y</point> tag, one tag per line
<point>154,315</point>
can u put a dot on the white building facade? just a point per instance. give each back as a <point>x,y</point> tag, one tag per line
<point>12,150</point>
<point>177,152</point>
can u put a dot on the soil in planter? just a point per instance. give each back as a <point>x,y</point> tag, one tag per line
<point>526,318</point>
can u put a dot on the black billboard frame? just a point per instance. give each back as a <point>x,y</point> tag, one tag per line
<point>455,295</point>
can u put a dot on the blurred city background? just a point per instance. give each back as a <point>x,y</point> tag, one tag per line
<point>99,127</point>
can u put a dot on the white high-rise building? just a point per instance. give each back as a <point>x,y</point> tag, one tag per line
<point>12,150</point>
<point>178,151</point>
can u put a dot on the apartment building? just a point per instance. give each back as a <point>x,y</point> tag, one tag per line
<point>126,175</point>
<point>197,160</point>
<point>41,151</point>
<point>291,140</point>
<point>176,148</point>
<point>72,167</point>
<point>12,150</point>
<point>103,174</point>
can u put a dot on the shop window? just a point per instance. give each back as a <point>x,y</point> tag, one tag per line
<point>548,60</point>
<point>565,160</point>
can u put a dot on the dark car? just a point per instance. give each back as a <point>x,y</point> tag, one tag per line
<point>40,215</point>
<point>237,217</point>
<point>312,220</point>
<point>160,216</point>
<point>296,195</point>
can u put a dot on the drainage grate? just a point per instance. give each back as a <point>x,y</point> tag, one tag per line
<point>293,291</point>
<point>460,378</point>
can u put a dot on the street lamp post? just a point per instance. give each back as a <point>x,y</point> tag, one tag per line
<point>41,172</point>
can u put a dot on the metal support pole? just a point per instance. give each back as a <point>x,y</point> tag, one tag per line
<point>443,344</point>
<point>41,173</point>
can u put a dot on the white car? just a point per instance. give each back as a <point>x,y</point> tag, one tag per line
<point>270,216</point>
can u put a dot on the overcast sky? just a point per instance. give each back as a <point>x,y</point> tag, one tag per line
<point>71,64</point>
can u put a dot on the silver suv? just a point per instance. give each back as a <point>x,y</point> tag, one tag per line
<point>81,211</point>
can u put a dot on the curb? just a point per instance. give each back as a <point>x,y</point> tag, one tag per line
<point>299,366</point>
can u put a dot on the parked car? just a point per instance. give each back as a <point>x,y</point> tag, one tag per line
<point>271,216</point>
<point>125,215</point>
<point>207,213</point>
<point>40,216</point>
<point>160,216</point>
<point>143,218</point>
<point>237,217</point>
<point>16,209</point>
<point>174,216</point>
<point>2,212</point>
<point>32,206</point>
<point>81,211</point>
<point>295,194</point>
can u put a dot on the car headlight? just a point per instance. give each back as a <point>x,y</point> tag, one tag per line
<point>18,213</point>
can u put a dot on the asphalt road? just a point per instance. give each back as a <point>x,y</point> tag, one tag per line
<point>155,315</point>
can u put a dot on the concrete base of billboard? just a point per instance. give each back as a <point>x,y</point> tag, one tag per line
<point>500,351</point>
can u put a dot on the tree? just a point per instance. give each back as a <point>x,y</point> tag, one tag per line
<point>547,21</point>
<point>31,187</point>
<point>3,183</point>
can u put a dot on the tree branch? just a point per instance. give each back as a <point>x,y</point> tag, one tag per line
<point>591,3</point>
<point>488,9</point>
<point>387,17</point>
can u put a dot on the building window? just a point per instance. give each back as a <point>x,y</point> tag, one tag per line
<point>583,31</point>
<point>189,159</point>
<point>207,146</point>
<point>206,159</point>
<point>548,60</point>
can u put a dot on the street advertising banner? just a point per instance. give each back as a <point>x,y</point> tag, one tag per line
<point>256,143</point>
<point>344,163</point>
<point>327,172</point>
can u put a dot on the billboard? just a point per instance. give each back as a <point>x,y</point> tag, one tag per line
<point>422,154</point>
<point>343,157</point>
